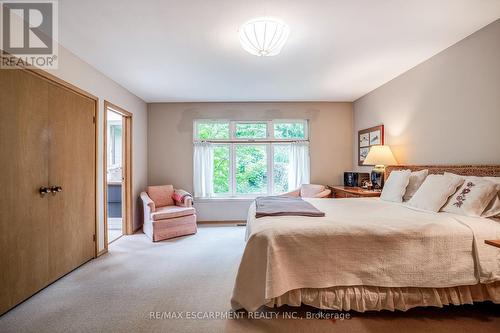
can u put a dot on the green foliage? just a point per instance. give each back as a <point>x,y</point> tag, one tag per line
<point>212,130</point>
<point>251,169</point>
<point>289,131</point>
<point>221,169</point>
<point>280,171</point>
<point>251,160</point>
<point>251,130</point>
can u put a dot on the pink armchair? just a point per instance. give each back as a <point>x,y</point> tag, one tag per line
<point>310,191</point>
<point>168,213</point>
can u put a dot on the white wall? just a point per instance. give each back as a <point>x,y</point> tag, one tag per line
<point>170,143</point>
<point>79,73</point>
<point>443,111</point>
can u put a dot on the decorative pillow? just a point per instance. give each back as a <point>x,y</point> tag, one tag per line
<point>416,179</point>
<point>161,195</point>
<point>472,197</point>
<point>434,192</point>
<point>493,207</point>
<point>395,186</point>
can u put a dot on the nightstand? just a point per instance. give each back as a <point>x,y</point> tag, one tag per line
<point>353,192</point>
<point>494,242</point>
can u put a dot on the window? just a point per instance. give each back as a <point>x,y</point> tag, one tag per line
<point>249,158</point>
<point>289,130</point>
<point>251,130</point>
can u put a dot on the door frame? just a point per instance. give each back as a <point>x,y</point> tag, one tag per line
<point>127,216</point>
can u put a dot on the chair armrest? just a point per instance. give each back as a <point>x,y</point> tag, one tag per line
<point>182,198</point>
<point>148,203</point>
<point>323,194</point>
<point>294,193</point>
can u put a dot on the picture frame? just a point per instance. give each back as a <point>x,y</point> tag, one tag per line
<point>368,137</point>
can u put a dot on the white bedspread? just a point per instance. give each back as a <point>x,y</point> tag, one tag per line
<point>363,241</point>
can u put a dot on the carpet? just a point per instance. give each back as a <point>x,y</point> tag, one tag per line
<point>185,285</point>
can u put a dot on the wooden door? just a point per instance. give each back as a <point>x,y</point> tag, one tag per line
<point>24,213</point>
<point>72,167</point>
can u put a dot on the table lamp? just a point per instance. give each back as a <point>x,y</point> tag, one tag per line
<point>380,156</point>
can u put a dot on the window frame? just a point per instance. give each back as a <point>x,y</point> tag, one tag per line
<point>270,142</point>
<point>209,121</point>
<point>270,130</point>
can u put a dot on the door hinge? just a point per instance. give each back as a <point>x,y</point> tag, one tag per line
<point>93,238</point>
<point>93,119</point>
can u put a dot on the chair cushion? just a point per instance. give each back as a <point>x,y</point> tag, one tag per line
<point>161,195</point>
<point>170,212</point>
<point>310,190</point>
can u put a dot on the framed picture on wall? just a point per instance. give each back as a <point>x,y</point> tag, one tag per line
<point>369,137</point>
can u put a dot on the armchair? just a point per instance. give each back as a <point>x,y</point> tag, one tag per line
<point>310,191</point>
<point>168,213</point>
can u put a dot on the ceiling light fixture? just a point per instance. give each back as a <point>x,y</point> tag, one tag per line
<point>263,36</point>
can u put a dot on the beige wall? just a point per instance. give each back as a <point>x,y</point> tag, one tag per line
<point>170,130</point>
<point>79,73</point>
<point>445,110</point>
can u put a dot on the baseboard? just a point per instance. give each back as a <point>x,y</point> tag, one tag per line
<point>137,229</point>
<point>232,222</point>
<point>100,253</point>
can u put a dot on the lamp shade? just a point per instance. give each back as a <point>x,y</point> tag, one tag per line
<point>380,155</point>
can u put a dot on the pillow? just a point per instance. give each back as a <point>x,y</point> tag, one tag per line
<point>395,186</point>
<point>416,179</point>
<point>472,197</point>
<point>434,192</point>
<point>161,195</point>
<point>310,190</point>
<point>493,208</point>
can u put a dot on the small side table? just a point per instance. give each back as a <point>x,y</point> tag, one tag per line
<point>493,242</point>
<point>352,192</point>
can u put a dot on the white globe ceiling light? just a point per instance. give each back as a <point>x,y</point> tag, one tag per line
<point>264,36</point>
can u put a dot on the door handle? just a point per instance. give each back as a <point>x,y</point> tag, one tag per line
<point>55,189</point>
<point>44,190</point>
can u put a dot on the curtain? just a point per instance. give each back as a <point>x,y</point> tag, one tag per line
<point>298,171</point>
<point>203,157</point>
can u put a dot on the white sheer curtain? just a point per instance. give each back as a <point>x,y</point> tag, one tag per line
<point>203,158</point>
<point>298,171</point>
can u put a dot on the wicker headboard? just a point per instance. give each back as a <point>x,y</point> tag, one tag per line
<point>465,170</point>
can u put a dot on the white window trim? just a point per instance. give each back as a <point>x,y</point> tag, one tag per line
<point>270,141</point>
<point>270,130</point>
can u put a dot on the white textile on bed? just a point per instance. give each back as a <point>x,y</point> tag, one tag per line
<point>363,242</point>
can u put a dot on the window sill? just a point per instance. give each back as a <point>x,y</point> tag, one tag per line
<point>225,199</point>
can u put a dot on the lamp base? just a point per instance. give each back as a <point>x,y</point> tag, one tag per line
<point>377,177</point>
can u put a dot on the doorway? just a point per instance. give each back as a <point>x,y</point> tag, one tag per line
<point>117,172</point>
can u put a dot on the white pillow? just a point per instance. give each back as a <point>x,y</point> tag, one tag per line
<point>472,197</point>
<point>434,192</point>
<point>395,186</point>
<point>416,179</point>
<point>493,208</point>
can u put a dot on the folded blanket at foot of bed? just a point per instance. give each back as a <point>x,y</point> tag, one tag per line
<point>285,206</point>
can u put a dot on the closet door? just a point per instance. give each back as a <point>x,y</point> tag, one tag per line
<point>72,167</point>
<point>24,213</point>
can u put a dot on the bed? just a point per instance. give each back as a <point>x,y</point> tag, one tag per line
<point>368,254</point>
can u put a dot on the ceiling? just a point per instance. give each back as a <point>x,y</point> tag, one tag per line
<point>188,50</point>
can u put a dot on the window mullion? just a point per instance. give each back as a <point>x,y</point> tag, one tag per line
<point>270,168</point>
<point>232,164</point>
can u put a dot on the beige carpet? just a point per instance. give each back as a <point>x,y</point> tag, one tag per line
<point>118,292</point>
